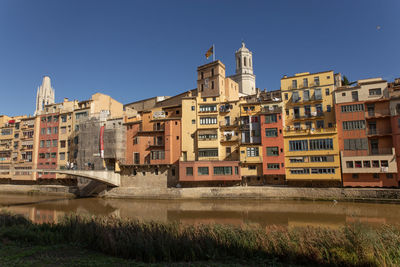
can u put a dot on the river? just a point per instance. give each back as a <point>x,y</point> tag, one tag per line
<point>261,212</point>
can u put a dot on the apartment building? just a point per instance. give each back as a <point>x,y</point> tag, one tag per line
<point>310,134</point>
<point>153,140</point>
<point>272,126</point>
<point>365,134</point>
<point>210,129</point>
<point>394,92</point>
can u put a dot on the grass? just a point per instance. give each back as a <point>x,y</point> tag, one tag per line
<point>129,242</point>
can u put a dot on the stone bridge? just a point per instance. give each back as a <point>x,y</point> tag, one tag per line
<point>107,177</point>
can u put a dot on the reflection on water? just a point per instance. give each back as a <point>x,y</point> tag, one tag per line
<point>262,212</point>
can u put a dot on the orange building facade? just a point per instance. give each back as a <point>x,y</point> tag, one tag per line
<point>364,125</point>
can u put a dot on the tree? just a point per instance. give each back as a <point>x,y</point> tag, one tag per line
<point>346,82</point>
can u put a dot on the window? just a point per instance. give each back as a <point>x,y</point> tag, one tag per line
<point>236,170</point>
<point>212,72</point>
<point>193,121</point>
<point>81,115</point>
<point>49,130</point>
<point>55,118</point>
<point>270,118</point>
<point>43,131</point>
<point>49,119</point>
<point>62,156</point>
<point>357,164</point>
<point>202,88</point>
<point>295,97</point>
<point>273,151</point>
<point>320,124</point>
<point>207,108</point>
<point>208,152</point>
<point>316,81</point>
<point>294,84</point>
<point>136,140</point>
<point>321,159</point>
<point>157,155</point>
<point>353,108</point>
<point>354,125</point>
<point>55,143</point>
<point>286,96</point>
<point>212,84</point>
<point>41,143</point>
<point>323,170</point>
<point>202,75</point>
<point>252,151</point>
<point>354,95</point>
<point>384,163</point>
<point>136,158</point>
<point>328,108</point>
<point>202,170</point>
<point>176,111</point>
<point>193,108</point>
<point>189,171</point>
<point>349,164</point>
<point>208,120</point>
<point>305,82</point>
<point>43,119</point>
<point>252,167</point>
<point>47,155</point>
<point>48,143</point>
<point>41,155</point>
<point>317,94</point>
<point>367,164</point>
<point>300,171</point>
<point>375,91</point>
<point>326,91</point>
<point>207,136</point>
<point>204,99</point>
<point>321,144</point>
<point>298,145</point>
<point>64,118</point>
<point>375,164</point>
<point>62,143</point>
<point>223,170</point>
<point>55,130</point>
<point>53,155</point>
<point>306,95</point>
<point>273,166</point>
<point>343,94</point>
<point>271,132</point>
<point>63,130</point>
<point>296,160</point>
<point>356,144</point>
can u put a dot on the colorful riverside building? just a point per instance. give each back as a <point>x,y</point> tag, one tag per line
<point>210,133</point>
<point>394,91</point>
<point>272,122</point>
<point>18,136</point>
<point>310,136</point>
<point>153,139</point>
<point>364,123</point>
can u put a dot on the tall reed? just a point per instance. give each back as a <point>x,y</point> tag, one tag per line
<point>351,245</point>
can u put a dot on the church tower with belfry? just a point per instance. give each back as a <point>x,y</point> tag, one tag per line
<point>244,71</point>
<point>45,95</point>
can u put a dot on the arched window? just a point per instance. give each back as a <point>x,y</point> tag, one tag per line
<point>245,61</point>
<point>238,63</point>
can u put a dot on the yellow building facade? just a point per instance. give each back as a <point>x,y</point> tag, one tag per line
<point>310,134</point>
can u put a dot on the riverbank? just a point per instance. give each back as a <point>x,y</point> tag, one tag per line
<point>237,192</point>
<point>55,190</point>
<point>170,243</point>
<point>259,192</point>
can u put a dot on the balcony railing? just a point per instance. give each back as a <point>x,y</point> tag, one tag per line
<point>377,113</point>
<point>372,152</point>
<point>379,132</point>
<point>234,123</point>
<point>229,138</point>
<point>271,110</point>
<point>308,115</point>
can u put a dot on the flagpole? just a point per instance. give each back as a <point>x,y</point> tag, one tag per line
<point>213,52</point>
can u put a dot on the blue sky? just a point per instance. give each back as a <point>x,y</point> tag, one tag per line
<point>137,49</point>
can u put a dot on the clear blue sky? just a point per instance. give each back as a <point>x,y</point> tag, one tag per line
<point>137,49</point>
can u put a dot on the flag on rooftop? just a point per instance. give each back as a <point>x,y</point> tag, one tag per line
<point>210,51</point>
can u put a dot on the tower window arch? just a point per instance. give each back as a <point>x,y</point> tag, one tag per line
<point>238,62</point>
<point>245,61</point>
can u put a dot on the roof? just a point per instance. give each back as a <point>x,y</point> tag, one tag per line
<point>309,74</point>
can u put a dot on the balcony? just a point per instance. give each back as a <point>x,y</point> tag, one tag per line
<point>378,132</point>
<point>301,101</point>
<point>225,108</point>
<point>374,114</point>
<point>156,129</point>
<point>155,145</point>
<point>311,115</point>
<point>294,131</point>
<point>271,110</point>
<point>363,161</point>
<point>229,138</point>
<point>226,124</point>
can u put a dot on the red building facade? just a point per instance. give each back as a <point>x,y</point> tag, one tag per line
<point>48,144</point>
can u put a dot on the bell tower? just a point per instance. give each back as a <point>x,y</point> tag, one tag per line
<point>45,95</point>
<point>244,71</point>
